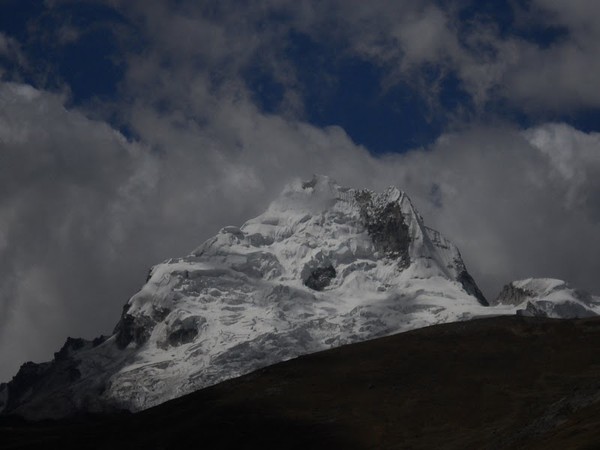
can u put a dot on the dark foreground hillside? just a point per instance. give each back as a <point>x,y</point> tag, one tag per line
<point>506,382</point>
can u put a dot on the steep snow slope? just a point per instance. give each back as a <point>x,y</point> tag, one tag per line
<point>322,267</point>
<point>548,297</point>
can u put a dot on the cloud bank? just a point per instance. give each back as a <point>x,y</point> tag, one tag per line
<point>93,194</point>
<point>84,212</point>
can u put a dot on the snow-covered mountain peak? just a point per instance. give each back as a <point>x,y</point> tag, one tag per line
<point>548,297</point>
<point>317,225</point>
<point>323,266</point>
<point>321,193</point>
<point>542,287</point>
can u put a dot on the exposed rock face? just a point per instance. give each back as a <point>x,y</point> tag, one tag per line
<point>137,329</point>
<point>184,331</point>
<point>548,297</point>
<point>564,310</point>
<point>469,285</point>
<point>324,266</point>
<point>29,374</point>
<point>513,295</point>
<point>385,225</point>
<point>71,345</point>
<point>34,384</point>
<point>320,278</point>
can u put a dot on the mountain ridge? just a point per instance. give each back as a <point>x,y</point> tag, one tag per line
<point>442,386</point>
<point>323,266</point>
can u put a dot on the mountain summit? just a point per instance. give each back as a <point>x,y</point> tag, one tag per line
<point>324,266</point>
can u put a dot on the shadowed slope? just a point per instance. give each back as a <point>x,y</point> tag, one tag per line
<point>505,382</point>
<point>323,266</point>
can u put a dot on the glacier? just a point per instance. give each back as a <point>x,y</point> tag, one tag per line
<point>548,297</point>
<point>322,267</point>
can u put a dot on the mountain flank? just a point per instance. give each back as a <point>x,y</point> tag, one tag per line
<point>496,383</point>
<point>324,266</point>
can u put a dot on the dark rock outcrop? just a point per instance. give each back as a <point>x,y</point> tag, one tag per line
<point>184,331</point>
<point>33,378</point>
<point>566,310</point>
<point>137,329</point>
<point>320,278</point>
<point>386,226</point>
<point>71,345</point>
<point>512,295</point>
<point>469,285</point>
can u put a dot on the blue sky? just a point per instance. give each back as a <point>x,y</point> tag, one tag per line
<point>131,131</point>
<point>337,86</point>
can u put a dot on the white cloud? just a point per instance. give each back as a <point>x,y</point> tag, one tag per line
<point>509,206</point>
<point>64,181</point>
<point>407,38</point>
<point>84,212</point>
<point>10,51</point>
<point>557,75</point>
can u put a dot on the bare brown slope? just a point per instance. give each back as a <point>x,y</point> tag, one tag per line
<point>506,382</point>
